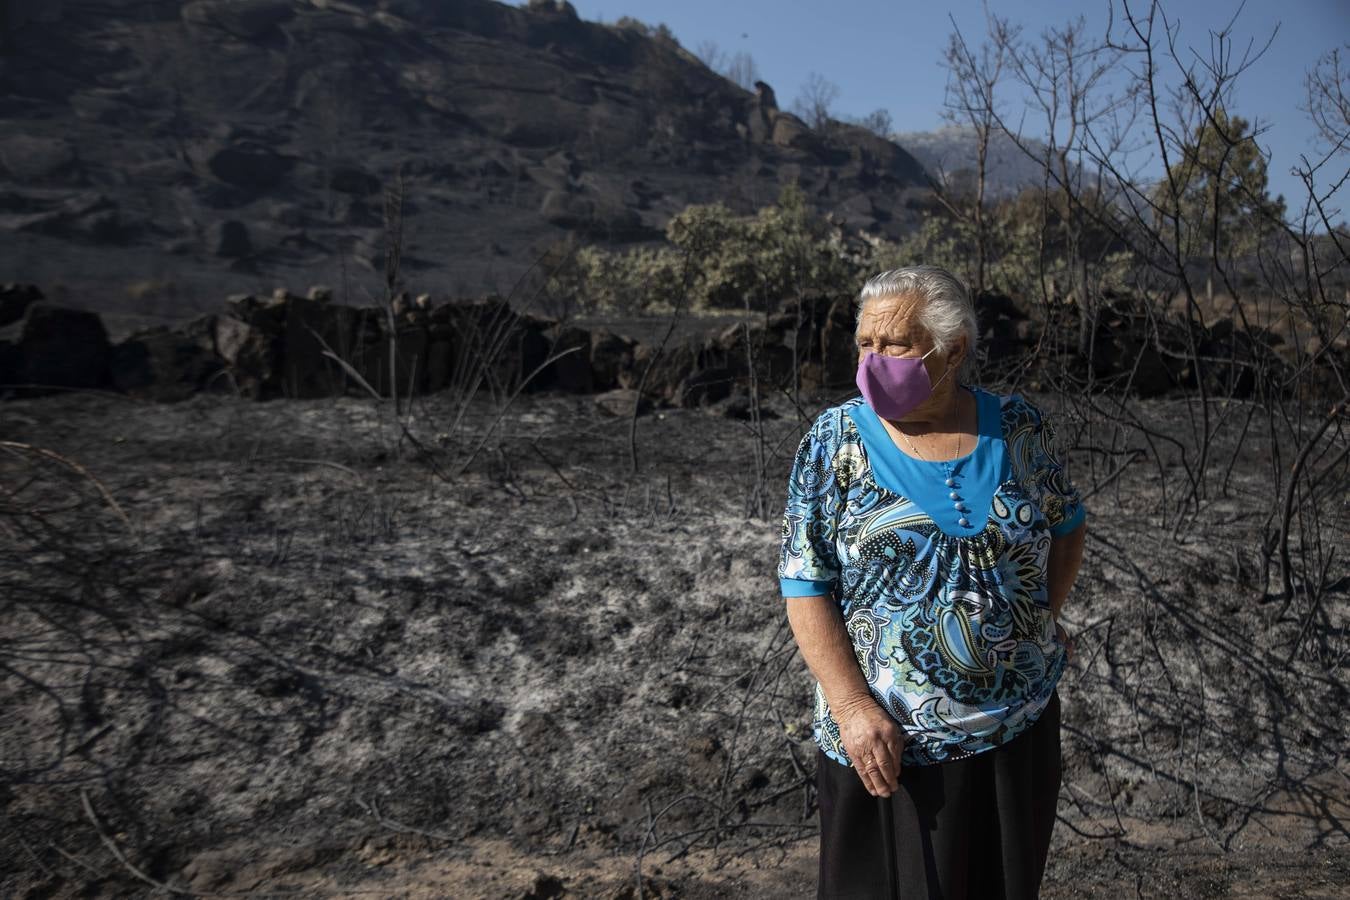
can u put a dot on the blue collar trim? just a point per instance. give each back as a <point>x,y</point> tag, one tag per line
<point>977,475</point>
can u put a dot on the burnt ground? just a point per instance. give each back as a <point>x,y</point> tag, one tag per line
<point>306,664</point>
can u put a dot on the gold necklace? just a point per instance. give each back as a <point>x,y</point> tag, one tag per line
<point>924,458</point>
<point>921,456</point>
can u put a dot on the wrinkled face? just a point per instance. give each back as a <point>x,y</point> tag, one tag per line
<point>890,326</point>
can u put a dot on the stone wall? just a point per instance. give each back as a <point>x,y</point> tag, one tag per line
<point>293,346</point>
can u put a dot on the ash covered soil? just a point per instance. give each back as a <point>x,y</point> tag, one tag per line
<point>311,665</point>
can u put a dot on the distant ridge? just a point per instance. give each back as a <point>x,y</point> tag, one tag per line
<point>953,147</point>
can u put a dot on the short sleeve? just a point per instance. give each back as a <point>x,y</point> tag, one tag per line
<point>807,563</point>
<point>1055,493</point>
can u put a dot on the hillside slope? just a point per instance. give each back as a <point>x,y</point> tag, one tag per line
<point>159,155</point>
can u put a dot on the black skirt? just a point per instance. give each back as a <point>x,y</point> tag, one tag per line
<point>976,828</point>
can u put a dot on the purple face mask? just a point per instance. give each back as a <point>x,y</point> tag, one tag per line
<point>894,385</point>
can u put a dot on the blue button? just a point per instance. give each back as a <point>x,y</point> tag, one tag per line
<point>964,522</point>
<point>951,482</point>
<point>955,496</point>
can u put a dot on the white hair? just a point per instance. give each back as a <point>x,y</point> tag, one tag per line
<point>947,311</point>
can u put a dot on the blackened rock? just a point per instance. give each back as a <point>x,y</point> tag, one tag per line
<point>704,387</point>
<point>229,239</point>
<point>249,165</point>
<point>571,372</point>
<point>610,354</point>
<point>265,313</point>
<point>164,364</point>
<point>991,306</point>
<point>738,406</point>
<point>838,344</point>
<point>9,363</point>
<point>790,131</point>
<point>248,19</point>
<point>15,300</point>
<point>313,326</point>
<point>63,347</point>
<point>351,180</point>
<point>408,350</point>
<point>31,158</point>
<point>252,350</point>
<point>620,401</point>
<point>587,215</point>
<point>664,372</point>
<point>440,363</point>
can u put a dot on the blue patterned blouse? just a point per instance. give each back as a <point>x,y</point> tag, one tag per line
<point>939,568</point>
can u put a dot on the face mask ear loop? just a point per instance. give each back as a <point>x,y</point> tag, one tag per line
<point>944,374</point>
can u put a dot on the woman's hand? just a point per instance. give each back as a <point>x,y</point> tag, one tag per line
<point>874,741</point>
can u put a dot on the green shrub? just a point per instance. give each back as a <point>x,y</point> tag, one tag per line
<point>734,262</point>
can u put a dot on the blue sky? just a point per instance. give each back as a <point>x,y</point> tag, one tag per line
<point>886,53</point>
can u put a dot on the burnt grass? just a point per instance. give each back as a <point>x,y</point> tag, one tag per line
<point>307,663</point>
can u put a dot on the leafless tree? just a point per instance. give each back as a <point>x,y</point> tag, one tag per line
<point>1174,97</point>
<point>711,55</point>
<point>1064,72</point>
<point>1328,99</point>
<point>878,121</point>
<point>738,67</point>
<point>973,76</point>
<point>815,103</point>
<point>741,69</point>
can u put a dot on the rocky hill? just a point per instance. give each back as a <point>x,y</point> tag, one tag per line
<point>157,155</point>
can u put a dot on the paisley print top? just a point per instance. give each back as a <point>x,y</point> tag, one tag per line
<point>939,569</point>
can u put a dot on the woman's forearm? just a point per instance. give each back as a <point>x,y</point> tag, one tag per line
<point>1066,555</point>
<point>818,626</point>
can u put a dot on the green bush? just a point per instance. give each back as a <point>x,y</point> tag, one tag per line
<point>733,262</point>
<point>715,260</point>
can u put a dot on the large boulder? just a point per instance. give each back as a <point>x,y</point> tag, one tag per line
<point>15,300</point>
<point>838,343</point>
<point>249,165</point>
<point>27,158</point>
<point>250,338</point>
<point>1123,350</point>
<point>806,344</point>
<point>247,19</point>
<point>790,131</point>
<point>607,217</point>
<point>665,371</point>
<point>705,386</point>
<point>571,372</point>
<point>61,347</point>
<point>167,364</point>
<point>620,402</point>
<point>611,354</point>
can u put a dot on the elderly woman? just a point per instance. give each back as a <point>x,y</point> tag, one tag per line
<point>930,539</point>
